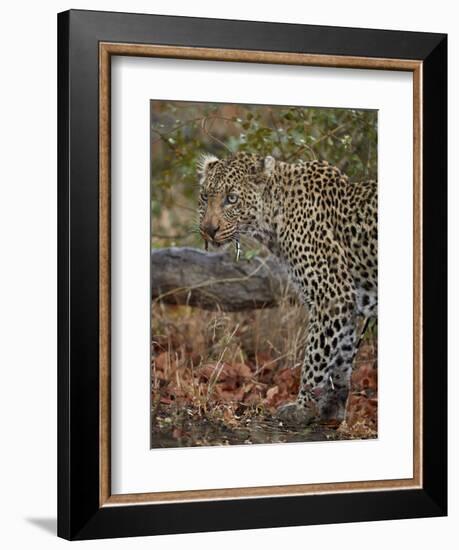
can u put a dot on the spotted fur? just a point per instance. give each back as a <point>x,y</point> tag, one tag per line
<point>324,228</point>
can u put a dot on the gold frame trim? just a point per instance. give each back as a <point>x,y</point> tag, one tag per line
<point>108,49</point>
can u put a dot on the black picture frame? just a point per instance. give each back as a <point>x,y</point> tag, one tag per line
<point>80,515</point>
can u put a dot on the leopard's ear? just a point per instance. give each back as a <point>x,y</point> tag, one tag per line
<point>268,166</point>
<point>204,163</point>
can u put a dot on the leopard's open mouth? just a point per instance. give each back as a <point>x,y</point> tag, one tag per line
<point>209,240</point>
<point>217,243</point>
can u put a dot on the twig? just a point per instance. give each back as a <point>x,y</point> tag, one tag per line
<point>207,132</point>
<point>310,149</point>
<point>279,137</point>
<point>162,135</point>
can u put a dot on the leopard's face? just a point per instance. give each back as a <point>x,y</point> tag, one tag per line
<point>230,196</point>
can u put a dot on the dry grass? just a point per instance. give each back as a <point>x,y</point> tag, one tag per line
<point>218,377</point>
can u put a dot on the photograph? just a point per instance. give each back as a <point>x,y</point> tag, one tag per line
<point>252,275</point>
<point>264,274</point>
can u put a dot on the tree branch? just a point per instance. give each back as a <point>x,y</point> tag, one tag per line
<point>216,281</point>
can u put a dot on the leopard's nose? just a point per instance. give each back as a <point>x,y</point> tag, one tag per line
<point>211,230</point>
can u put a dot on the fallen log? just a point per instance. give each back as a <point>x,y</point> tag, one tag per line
<point>216,281</point>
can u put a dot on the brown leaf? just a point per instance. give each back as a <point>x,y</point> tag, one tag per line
<point>365,379</point>
<point>177,433</point>
<point>272,392</point>
<point>362,411</point>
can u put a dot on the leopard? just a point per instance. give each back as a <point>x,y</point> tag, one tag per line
<point>323,228</point>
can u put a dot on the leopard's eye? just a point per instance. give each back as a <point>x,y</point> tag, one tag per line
<point>204,197</point>
<point>232,198</point>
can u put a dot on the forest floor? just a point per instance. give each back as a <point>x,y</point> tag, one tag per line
<point>214,385</point>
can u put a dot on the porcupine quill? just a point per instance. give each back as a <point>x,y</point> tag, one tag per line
<point>238,249</point>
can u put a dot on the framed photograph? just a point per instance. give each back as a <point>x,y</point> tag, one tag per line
<point>252,274</point>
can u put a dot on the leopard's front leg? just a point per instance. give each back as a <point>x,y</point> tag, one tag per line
<point>327,367</point>
<point>333,391</point>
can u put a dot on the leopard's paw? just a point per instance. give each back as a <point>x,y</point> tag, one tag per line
<point>296,414</point>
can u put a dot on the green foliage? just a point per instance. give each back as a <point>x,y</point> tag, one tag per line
<point>182,131</point>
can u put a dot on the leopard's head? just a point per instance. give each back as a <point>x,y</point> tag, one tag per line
<point>231,189</point>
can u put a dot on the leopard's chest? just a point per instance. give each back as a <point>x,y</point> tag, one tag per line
<point>304,270</point>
